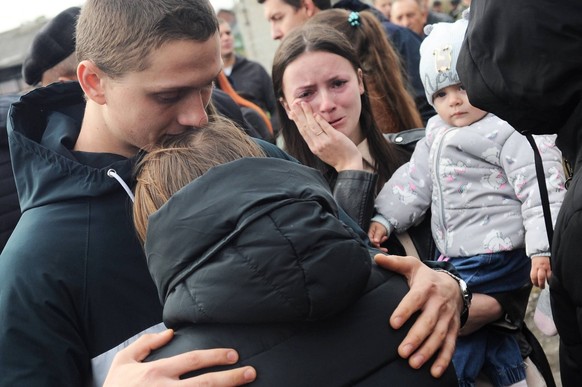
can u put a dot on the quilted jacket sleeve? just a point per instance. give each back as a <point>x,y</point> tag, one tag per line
<point>406,197</point>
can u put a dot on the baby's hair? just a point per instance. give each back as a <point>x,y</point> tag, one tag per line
<point>179,159</point>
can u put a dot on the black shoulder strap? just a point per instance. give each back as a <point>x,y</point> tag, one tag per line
<point>543,188</point>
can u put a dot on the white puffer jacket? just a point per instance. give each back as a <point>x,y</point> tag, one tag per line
<point>480,183</point>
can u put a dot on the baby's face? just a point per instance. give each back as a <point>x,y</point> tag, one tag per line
<point>452,105</point>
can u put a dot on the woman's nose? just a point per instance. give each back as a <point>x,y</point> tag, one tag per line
<point>326,102</point>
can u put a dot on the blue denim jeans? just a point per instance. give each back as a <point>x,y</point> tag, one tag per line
<point>494,273</point>
<point>494,352</point>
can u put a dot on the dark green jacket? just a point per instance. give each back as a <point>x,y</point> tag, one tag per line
<point>74,283</point>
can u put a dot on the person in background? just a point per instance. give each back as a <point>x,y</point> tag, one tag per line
<point>51,56</point>
<point>252,113</point>
<point>409,14</point>
<point>457,9</point>
<point>433,15</point>
<point>285,15</point>
<point>384,7</point>
<point>437,6</point>
<point>477,175</point>
<point>416,14</point>
<point>392,104</point>
<point>146,69</point>
<point>249,79</point>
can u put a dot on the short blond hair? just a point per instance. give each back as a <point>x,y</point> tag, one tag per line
<point>179,159</point>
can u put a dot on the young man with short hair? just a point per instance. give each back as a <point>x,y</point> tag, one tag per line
<point>74,284</point>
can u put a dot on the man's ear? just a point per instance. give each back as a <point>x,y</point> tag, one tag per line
<point>91,80</point>
<point>310,7</point>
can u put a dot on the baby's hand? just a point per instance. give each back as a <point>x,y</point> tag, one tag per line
<point>378,235</point>
<point>541,271</point>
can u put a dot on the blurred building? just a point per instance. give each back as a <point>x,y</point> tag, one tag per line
<point>13,48</point>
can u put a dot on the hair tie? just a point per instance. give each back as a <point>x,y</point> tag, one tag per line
<point>354,19</point>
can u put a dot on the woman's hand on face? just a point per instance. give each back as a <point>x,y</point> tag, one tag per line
<point>331,146</point>
<point>128,369</point>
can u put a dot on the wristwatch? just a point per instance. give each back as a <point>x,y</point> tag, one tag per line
<point>465,293</point>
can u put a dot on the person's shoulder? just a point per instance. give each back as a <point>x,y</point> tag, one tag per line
<point>241,62</point>
<point>435,121</point>
<point>29,262</point>
<point>402,34</point>
<point>272,150</point>
<point>492,121</point>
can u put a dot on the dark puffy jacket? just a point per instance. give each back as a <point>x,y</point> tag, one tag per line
<point>273,273</point>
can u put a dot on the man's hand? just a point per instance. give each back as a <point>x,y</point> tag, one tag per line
<point>438,298</point>
<point>127,368</point>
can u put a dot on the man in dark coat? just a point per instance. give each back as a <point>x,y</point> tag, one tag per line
<point>521,61</point>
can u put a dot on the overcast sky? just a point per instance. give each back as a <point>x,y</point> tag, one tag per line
<point>16,12</point>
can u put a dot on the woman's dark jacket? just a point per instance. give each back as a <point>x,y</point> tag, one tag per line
<point>273,273</point>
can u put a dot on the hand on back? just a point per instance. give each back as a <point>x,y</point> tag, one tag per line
<point>128,369</point>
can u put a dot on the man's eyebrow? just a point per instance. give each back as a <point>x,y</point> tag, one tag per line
<point>163,89</point>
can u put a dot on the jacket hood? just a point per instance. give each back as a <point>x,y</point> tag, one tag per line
<point>42,130</point>
<point>254,240</point>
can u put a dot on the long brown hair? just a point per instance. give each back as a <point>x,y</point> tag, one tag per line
<point>317,38</point>
<point>393,106</point>
<point>179,159</point>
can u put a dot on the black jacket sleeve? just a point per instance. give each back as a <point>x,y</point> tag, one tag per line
<point>354,192</point>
